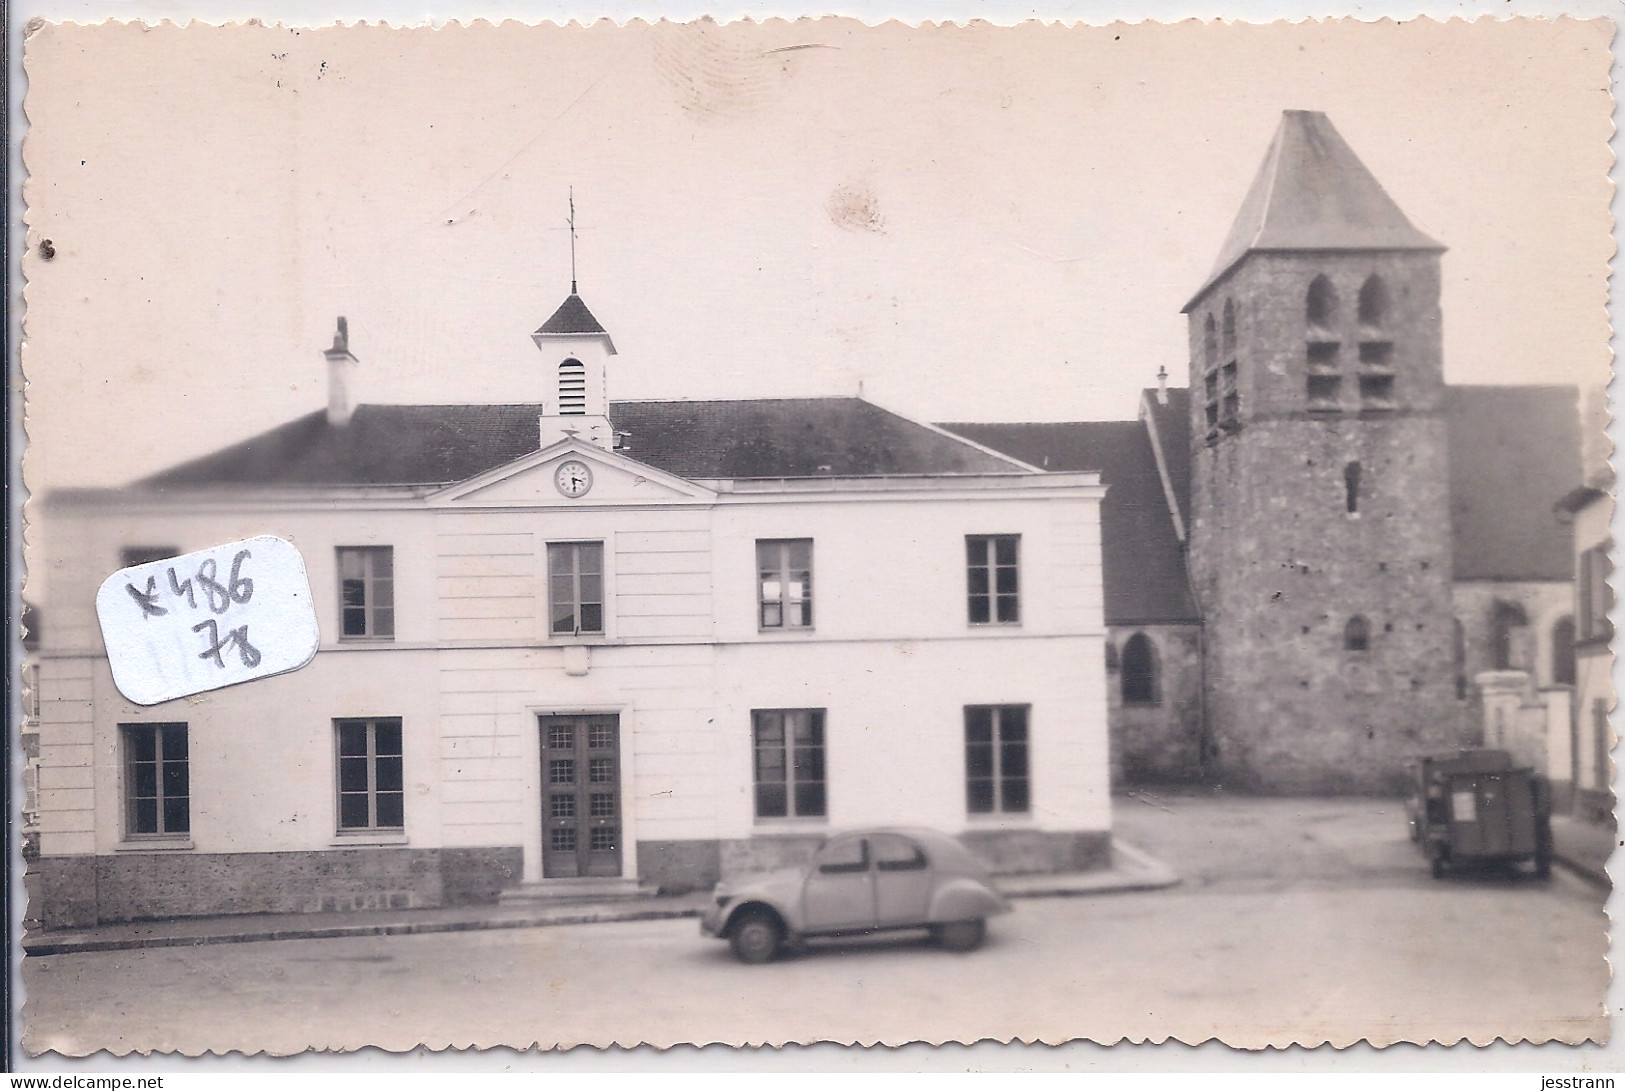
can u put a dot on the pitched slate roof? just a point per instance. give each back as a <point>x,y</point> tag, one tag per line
<point>572,317</point>
<point>1514,453</point>
<point>1313,193</point>
<point>440,444</point>
<point>1144,566</point>
<point>1173,427</point>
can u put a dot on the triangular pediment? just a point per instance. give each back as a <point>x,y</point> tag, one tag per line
<point>571,473</point>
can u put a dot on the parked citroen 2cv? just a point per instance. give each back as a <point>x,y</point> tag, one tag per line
<point>859,883</point>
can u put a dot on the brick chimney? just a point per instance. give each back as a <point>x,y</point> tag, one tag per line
<point>341,378</point>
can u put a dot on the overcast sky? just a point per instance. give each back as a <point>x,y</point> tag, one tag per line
<point>976,224</point>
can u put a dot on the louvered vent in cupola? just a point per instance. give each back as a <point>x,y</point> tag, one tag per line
<point>572,388</point>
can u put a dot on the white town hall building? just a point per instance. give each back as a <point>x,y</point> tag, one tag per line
<point>584,646</point>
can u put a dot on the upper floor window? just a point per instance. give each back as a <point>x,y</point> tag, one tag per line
<point>1357,634</point>
<point>788,745</point>
<point>997,779</point>
<point>1563,652</point>
<point>1320,305</point>
<point>572,388</point>
<point>575,580</point>
<point>367,591</point>
<point>1138,678</point>
<point>1373,302</point>
<point>157,780</point>
<point>1594,595</point>
<point>992,577</point>
<point>1509,629</point>
<point>130,556</point>
<point>784,583</point>
<point>372,786</point>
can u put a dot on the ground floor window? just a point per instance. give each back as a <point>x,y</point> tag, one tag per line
<point>372,793</point>
<point>157,780</point>
<point>996,768</point>
<point>789,762</point>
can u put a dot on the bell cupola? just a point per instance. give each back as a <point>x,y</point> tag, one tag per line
<point>575,390</point>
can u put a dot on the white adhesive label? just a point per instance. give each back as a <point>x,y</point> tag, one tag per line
<point>208,619</point>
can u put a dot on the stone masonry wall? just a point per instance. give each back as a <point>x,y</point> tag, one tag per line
<point>82,891</point>
<point>1161,742</point>
<point>1281,564</point>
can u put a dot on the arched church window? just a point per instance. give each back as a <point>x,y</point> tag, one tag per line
<point>1357,634</point>
<point>1320,308</point>
<point>1510,627</point>
<point>1373,302</point>
<point>1138,671</point>
<point>572,388</point>
<point>1351,488</point>
<point>1563,652</point>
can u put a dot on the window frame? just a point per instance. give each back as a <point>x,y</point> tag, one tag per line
<point>577,602</point>
<point>375,618</point>
<point>1150,675</point>
<point>784,568</point>
<point>790,767</point>
<point>988,562</point>
<point>163,735</point>
<point>372,792</point>
<point>1594,596</point>
<point>997,778</point>
<point>135,555</point>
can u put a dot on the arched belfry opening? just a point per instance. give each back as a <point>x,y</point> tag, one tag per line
<point>1320,305</point>
<point>1373,303</point>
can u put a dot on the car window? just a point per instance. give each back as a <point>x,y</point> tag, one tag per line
<point>844,856</point>
<point>893,853</point>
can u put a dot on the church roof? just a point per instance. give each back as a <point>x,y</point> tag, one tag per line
<point>1143,564</point>
<point>441,444</point>
<point>1313,193</point>
<point>1514,453</point>
<point>572,317</point>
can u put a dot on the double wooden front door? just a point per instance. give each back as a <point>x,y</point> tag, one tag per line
<point>581,796</point>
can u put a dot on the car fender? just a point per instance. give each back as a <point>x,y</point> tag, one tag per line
<point>745,903</point>
<point>963,899</point>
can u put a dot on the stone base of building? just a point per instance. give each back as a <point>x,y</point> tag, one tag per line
<point>84,891</point>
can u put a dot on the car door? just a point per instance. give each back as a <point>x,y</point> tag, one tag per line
<point>840,890</point>
<point>902,880</point>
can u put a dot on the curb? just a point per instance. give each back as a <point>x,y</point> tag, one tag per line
<point>1152,876</point>
<point>70,945</point>
<point>1597,877</point>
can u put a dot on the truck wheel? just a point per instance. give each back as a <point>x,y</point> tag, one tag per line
<point>755,938</point>
<point>1437,863</point>
<point>961,935</point>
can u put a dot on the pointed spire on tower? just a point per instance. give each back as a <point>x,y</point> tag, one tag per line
<point>1313,193</point>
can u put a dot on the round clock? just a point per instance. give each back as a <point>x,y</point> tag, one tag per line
<point>573,478</point>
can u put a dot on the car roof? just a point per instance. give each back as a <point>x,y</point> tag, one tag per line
<point>945,848</point>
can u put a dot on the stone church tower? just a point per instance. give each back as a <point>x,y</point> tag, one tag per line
<point>1320,545</point>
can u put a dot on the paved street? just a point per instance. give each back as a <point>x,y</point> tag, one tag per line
<point>1299,921</point>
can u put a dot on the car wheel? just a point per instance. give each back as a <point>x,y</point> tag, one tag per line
<point>756,938</point>
<point>962,935</point>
